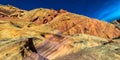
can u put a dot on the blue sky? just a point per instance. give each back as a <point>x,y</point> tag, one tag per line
<point>106,10</point>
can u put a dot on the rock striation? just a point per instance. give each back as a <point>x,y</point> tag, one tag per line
<point>47,34</point>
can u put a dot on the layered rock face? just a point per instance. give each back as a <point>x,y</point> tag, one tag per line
<point>47,34</point>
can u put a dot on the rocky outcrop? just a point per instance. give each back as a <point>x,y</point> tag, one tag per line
<point>66,22</point>
<point>69,24</point>
<point>10,11</point>
<point>47,34</point>
<point>109,51</point>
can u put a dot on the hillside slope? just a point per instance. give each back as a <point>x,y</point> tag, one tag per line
<point>47,34</point>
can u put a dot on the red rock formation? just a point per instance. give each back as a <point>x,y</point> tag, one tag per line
<point>70,24</point>
<point>38,19</point>
<point>32,34</point>
<point>66,22</point>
